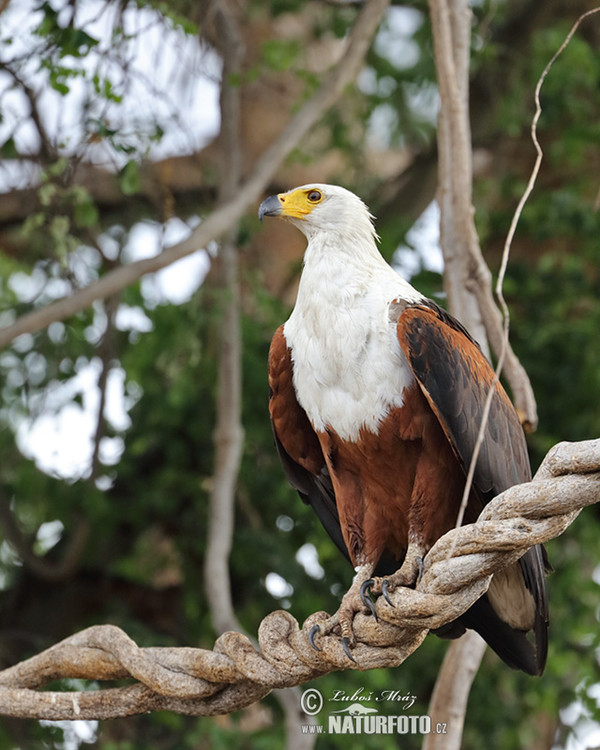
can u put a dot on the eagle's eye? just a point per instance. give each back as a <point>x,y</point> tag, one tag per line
<point>314,196</point>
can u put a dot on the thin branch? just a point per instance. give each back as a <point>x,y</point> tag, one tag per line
<point>454,680</point>
<point>473,303</point>
<point>455,160</point>
<point>235,674</point>
<point>451,29</point>
<point>229,436</point>
<point>47,151</point>
<point>105,352</point>
<point>227,214</point>
<point>539,156</point>
<point>504,352</point>
<point>448,705</point>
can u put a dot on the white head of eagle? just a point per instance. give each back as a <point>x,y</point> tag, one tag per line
<point>376,398</point>
<point>321,208</point>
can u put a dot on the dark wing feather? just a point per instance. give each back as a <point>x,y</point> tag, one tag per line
<point>297,443</point>
<point>455,378</point>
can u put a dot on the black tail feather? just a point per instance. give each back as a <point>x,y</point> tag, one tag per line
<point>512,646</point>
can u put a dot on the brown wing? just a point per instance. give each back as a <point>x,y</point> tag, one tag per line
<point>455,378</point>
<point>297,443</point>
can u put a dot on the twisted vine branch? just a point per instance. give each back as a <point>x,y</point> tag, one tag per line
<point>235,674</point>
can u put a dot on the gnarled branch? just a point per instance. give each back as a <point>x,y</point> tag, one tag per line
<point>235,674</point>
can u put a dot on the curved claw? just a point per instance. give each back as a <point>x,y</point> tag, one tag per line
<point>311,637</point>
<point>384,591</point>
<point>346,647</point>
<point>365,598</point>
<point>371,606</point>
<point>364,591</point>
<point>364,595</point>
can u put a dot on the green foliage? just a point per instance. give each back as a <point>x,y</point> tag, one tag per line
<point>280,54</point>
<point>130,178</point>
<point>9,149</point>
<point>66,40</point>
<point>178,19</point>
<point>62,42</point>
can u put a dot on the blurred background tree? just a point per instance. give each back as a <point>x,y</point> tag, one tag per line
<point>112,141</point>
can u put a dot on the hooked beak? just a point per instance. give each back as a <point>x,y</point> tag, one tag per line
<point>271,206</point>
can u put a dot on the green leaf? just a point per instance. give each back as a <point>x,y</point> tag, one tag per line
<point>130,178</point>
<point>280,54</point>
<point>8,150</point>
<point>76,42</point>
<point>85,213</point>
<point>178,20</point>
<point>47,193</point>
<point>32,222</point>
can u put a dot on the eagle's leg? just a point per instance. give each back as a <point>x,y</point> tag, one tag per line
<point>352,602</point>
<point>407,575</point>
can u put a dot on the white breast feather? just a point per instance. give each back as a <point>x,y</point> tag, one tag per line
<point>349,370</point>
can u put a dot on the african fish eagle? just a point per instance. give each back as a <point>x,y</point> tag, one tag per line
<point>376,398</point>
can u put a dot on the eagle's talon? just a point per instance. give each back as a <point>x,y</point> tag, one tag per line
<point>364,592</point>
<point>346,647</point>
<point>311,637</point>
<point>385,593</point>
<point>371,605</point>
<point>420,568</point>
<point>366,599</point>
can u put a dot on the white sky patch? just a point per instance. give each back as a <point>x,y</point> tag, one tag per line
<point>144,242</point>
<point>423,245</point>
<point>168,71</point>
<point>394,38</point>
<point>177,283</point>
<point>8,555</point>
<point>61,437</point>
<point>110,450</point>
<point>56,331</point>
<point>424,100</point>
<point>75,733</point>
<point>173,81</point>
<point>585,731</point>
<point>116,406</point>
<point>394,41</point>
<point>50,441</point>
<point>130,318</point>
<point>381,123</point>
<point>277,586</point>
<point>48,535</point>
<point>27,286</point>
<point>308,557</point>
